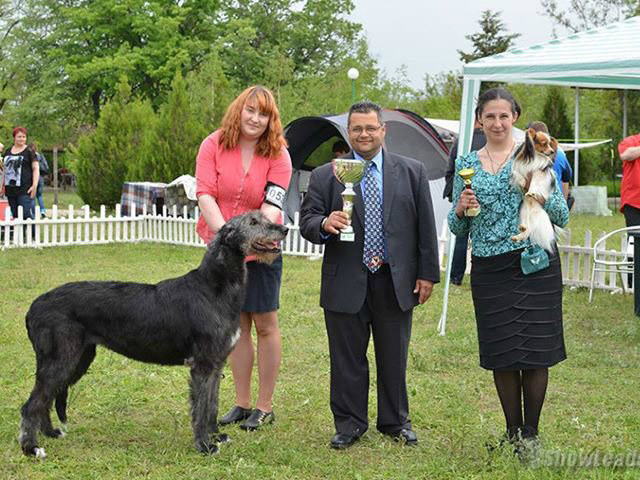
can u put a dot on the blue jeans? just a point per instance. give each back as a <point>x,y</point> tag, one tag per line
<point>20,200</point>
<point>38,199</point>
<point>459,262</point>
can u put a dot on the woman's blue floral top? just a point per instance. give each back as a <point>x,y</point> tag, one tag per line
<point>498,220</point>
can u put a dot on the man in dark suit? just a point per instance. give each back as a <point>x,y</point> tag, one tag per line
<point>368,285</point>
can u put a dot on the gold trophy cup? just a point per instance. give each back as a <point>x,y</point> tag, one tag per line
<point>349,172</point>
<point>466,175</point>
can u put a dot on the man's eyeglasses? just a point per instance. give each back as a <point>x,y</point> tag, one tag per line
<point>370,129</point>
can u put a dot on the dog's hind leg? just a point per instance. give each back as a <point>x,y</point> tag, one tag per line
<point>58,353</point>
<point>87,357</point>
<point>201,387</point>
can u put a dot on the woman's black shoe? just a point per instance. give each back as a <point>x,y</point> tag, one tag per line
<point>257,419</point>
<point>235,415</point>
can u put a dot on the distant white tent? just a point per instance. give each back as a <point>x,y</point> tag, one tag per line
<point>605,57</point>
<point>453,128</point>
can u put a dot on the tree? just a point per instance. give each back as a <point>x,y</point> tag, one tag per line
<point>586,14</point>
<point>179,134</point>
<point>307,37</point>
<point>103,159</point>
<point>90,44</point>
<point>492,38</point>
<point>554,114</point>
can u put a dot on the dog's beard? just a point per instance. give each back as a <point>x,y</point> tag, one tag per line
<point>267,257</point>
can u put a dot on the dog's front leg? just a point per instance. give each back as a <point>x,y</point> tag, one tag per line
<point>538,188</point>
<point>213,396</point>
<point>201,374</point>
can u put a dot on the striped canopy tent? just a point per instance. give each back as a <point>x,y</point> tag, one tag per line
<point>605,57</point>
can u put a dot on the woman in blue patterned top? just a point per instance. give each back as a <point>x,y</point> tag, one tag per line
<point>519,317</point>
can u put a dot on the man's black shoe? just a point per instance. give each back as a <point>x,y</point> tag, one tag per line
<point>235,415</point>
<point>406,436</point>
<point>343,440</point>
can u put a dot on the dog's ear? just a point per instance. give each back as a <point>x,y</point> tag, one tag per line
<point>532,132</point>
<point>554,144</point>
<point>528,150</point>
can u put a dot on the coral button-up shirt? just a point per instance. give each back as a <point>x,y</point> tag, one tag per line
<point>219,173</point>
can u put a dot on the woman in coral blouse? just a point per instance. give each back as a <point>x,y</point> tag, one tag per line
<point>242,166</point>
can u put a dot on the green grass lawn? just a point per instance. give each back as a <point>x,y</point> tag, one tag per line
<point>65,198</point>
<point>131,420</point>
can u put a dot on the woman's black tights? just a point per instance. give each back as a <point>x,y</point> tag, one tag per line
<point>512,387</point>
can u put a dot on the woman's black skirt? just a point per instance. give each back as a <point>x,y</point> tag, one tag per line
<point>263,287</point>
<point>519,317</point>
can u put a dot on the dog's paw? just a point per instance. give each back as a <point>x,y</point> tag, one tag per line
<point>54,433</point>
<point>207,448</point>
<point>522,228</point>
<point>222,438</point>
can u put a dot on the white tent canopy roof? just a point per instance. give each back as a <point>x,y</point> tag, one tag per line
<point>605,57</point>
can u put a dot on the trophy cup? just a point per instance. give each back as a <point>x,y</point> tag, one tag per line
<point>466,175</point>
<point>349,172</point>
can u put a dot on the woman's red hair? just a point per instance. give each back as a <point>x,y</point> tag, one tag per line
<point>272,141</point>
<point>18,130</point>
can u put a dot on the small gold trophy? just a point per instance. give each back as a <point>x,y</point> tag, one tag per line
<point>466,175</point>
<point>349,172</point>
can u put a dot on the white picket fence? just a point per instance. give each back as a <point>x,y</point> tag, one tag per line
<point>80,227</point>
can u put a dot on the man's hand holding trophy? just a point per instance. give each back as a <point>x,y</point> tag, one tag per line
<point>349,172</point>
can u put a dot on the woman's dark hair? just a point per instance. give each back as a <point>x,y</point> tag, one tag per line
<point>497,94</point>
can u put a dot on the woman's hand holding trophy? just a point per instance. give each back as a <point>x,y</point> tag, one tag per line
<point>468,203</point>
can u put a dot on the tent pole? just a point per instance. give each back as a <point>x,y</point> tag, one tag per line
<point>451,245</point>
<point>624,113</point>
<point>470,91</point>
<point>576,154</point>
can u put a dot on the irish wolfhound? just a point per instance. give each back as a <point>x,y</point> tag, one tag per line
<point>192,320</point>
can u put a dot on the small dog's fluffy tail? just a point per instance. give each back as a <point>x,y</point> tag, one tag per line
<point>541,230</point>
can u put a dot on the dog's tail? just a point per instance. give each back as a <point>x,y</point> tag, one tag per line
<point>541,230</point>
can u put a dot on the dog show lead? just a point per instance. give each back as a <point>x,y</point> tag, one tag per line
<point>518,315</point>
<point>242,166</point>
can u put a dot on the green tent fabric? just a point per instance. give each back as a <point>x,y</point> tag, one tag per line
<point>605,57</point>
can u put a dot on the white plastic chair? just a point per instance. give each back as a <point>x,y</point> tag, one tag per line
<point>613,262</point>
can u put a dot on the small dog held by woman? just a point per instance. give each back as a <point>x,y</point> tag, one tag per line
<point>532,172</point>
<point>192,320</point>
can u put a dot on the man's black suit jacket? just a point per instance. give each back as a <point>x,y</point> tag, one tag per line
<point>409,228</point>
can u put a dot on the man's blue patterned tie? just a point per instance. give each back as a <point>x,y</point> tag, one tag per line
<point>373,251</point>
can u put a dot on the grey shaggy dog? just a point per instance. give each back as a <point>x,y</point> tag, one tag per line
<point>191,320</point>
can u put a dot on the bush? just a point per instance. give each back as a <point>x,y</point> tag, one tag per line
<point>119,149</point>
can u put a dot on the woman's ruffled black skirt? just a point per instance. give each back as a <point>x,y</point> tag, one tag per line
<point>519,317</point>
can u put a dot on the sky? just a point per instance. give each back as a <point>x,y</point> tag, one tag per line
<point>425,35</point>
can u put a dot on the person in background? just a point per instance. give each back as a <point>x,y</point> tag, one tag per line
<point>340,148</point>
<point>242,166</point>
<point>518,316</point>
<point>371,285</point>
<point>459,261</point>
<point>629,150</point>
<point>44,171</point>
<point>20,175</point>
<point>561,165</point>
